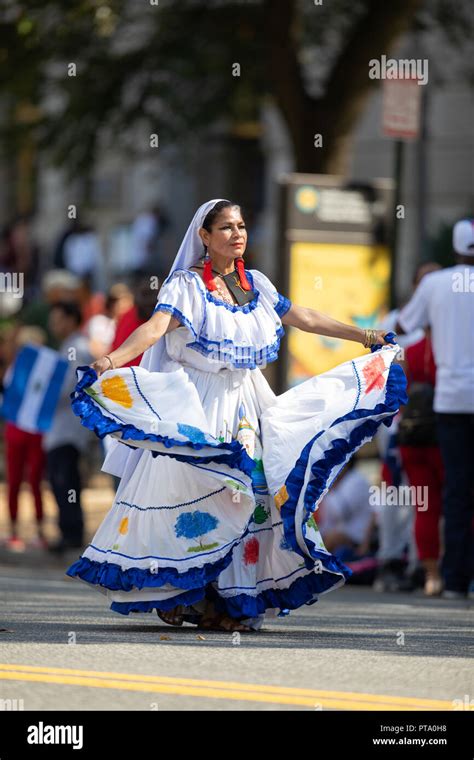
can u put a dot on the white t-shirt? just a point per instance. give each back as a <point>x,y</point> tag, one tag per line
<point>100,328</point>
<point>388,323</point>
<point>144,231</point>
<point>82,253</point>
<point>444,301</point>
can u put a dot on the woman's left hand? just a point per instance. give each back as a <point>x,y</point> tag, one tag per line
<point>380,338</point>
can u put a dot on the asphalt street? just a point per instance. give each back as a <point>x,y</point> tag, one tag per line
<point>62,648</point>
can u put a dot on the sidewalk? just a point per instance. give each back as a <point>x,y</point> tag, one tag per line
<point>97,499</point>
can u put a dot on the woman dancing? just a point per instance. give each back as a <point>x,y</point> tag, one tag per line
<point>214,519</point>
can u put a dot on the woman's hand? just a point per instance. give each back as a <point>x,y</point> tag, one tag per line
<point>377,338</point>
<point>101,365</point>
<point>380,339</point>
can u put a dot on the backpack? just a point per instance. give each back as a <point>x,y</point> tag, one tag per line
<point>417,426</point>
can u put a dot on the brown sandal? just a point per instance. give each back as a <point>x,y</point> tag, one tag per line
<point>172,617</point>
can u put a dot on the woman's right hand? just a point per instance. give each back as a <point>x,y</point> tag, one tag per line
<point>101,365</point>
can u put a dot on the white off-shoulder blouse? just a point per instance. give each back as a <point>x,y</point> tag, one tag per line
<point>215,334</point>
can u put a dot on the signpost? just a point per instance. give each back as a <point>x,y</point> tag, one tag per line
<point>400,120</point>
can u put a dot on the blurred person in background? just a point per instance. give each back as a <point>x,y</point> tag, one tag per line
<point>120,300</point>
<point>100,329</point>
<point>56,286</point>
<point>144,301</point>
<point>24,456</point>
<point>8,334</point>
<point>72,227</point>
<point>397,552</point>
<point>345,516</point>
<point>91,301</point>
<point>421,457</point>
<point>19,253</point>
<point>146,232</point>
<point>129,317</point>
<point>444,302</point>
<point>66,440</point>
<point>83,254</point>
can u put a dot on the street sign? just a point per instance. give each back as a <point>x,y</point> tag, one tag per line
<point>401,108</point>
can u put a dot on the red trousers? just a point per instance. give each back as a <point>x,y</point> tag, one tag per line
<point>23,453</point>
<point>424,467</point>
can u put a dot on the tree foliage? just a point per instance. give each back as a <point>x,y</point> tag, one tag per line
<point>170,69</point>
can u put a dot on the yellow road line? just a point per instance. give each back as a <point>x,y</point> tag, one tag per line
<point>218,689</point>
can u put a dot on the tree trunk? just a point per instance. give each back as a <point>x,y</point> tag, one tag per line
<point>348,86</point>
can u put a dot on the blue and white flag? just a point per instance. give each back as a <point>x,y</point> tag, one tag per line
<point>34,386</point>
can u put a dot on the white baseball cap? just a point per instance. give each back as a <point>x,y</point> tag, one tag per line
<point>463,237</point>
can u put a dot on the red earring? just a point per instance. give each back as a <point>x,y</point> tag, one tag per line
<point>207,273</point>
<point>242,276</point>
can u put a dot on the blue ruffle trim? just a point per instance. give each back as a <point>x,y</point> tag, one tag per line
<point>233,453</point>
<point>340,451</point>
<point>302,591</point>
<point>225,350</point>
<point>240,357</point>
<point>112,576</point>
<point>189,597</point>
<point>283,305</point>
<point>196,585</point>
<point>177,314</point>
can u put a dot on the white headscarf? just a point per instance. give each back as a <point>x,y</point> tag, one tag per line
<point>191,249</point>
<point>189,253</point>
<point>120,459</point>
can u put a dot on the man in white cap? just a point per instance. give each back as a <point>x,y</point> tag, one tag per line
<point>444,300</point>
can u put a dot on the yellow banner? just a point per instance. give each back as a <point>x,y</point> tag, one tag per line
<point>349,283</point>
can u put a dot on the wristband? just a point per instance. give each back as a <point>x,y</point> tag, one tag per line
<point>110,360</point>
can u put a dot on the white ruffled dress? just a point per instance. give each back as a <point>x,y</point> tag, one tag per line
<point>221,478</point>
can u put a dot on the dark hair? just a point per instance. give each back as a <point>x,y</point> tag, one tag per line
<point>69,309</point>
<point>212,215</point>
